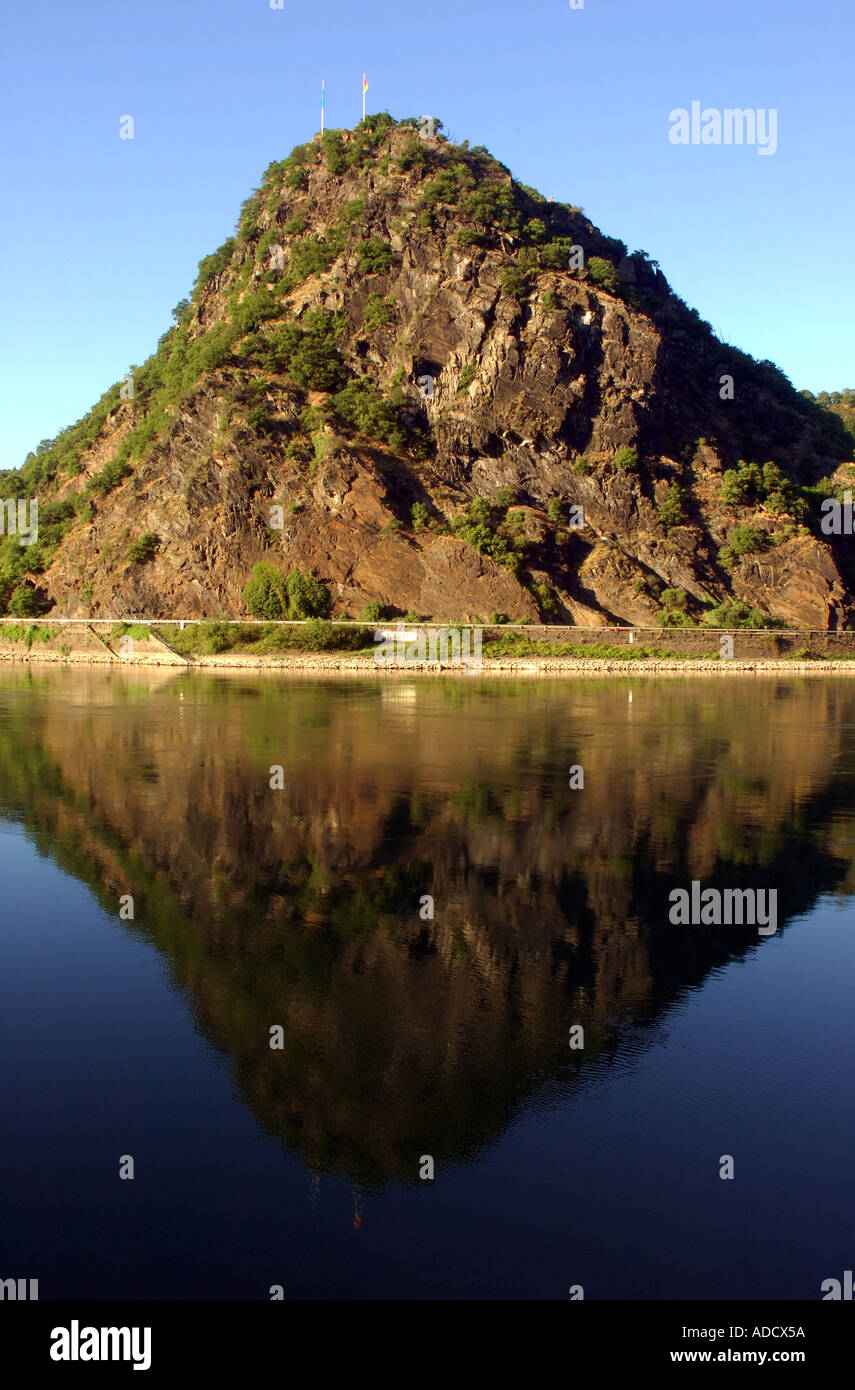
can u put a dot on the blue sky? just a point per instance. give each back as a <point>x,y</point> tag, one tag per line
<point>102,235</point>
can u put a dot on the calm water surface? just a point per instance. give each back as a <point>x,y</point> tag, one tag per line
<point>403,1036</point>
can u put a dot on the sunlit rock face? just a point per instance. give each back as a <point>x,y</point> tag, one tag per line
<point>483,343</point>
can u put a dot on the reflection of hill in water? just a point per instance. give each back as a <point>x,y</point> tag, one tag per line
<point>300,907</point>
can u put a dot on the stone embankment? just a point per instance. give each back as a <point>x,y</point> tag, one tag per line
<point>672,652</point>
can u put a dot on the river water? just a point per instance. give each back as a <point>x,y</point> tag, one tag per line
<point>416,919</point>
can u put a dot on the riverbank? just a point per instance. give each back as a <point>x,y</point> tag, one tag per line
<point>343,650</point>
<point>364,667</point>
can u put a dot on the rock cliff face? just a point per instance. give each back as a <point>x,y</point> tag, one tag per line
<point>396,332</point>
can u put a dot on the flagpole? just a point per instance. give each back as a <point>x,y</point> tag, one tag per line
<point>364,88</point>
<point>323,85</point>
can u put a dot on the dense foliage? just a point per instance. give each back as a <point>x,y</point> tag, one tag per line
<point>268,594</point>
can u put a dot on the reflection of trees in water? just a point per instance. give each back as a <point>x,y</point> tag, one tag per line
<point>300,907</point>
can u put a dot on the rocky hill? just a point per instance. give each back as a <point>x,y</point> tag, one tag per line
<point>446,397</point>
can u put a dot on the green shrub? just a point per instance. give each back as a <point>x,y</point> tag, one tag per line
<point>467,376</point>
<point>582,466</point>
<point>733,612</point>
<point>491,205</point>
<point>319,636</point>
<point>248,222</point>
<point>742,540</point>
<point>375,255</point>
<point>18,632</point>
<point>544,598</point>
<point>361,406</point>
<point>535,232</point>
<point>447,186</point>
<point>555,509</point>
<point>361,149</point>
<point>252,311</point>
<point>780,502</point>
<point>733,487</point>
<point>212,265</point>
<point>139,552</point>
<point>561,254</point>
<point>352,213</point>
<point>309,256</point>
<point>479,510</point>
<point>673,609</point>
<point>603,273</point>
<point>314,362</point>
<point>217,636</point>
<point>376,612</point>
<point>324,446</point>
<point>301,155</point>
<point>670,510</point>
<point>308,597</point>
<point>780,494</point>
<point>626,459</point>
<point>475,527</point>
<point>54,513</point>
<point>378,311</point>
<point>514,282</point>
<point>215,347</point>
<point>773,479</point>
<point>265,593</point>
<point>515,644</point>
<point>332,146</point>
<point>16,561</point>
<point>26,602</point>
<point>748,483</point>
<point>414,155</point>
<point>110,476</point>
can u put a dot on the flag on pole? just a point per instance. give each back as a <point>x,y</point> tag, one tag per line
<point>323,85</point>
<point>364,90</point>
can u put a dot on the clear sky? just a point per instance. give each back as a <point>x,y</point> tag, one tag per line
<point>102,235</point>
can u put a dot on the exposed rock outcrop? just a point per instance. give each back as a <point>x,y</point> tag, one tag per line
<point>397,324</point>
